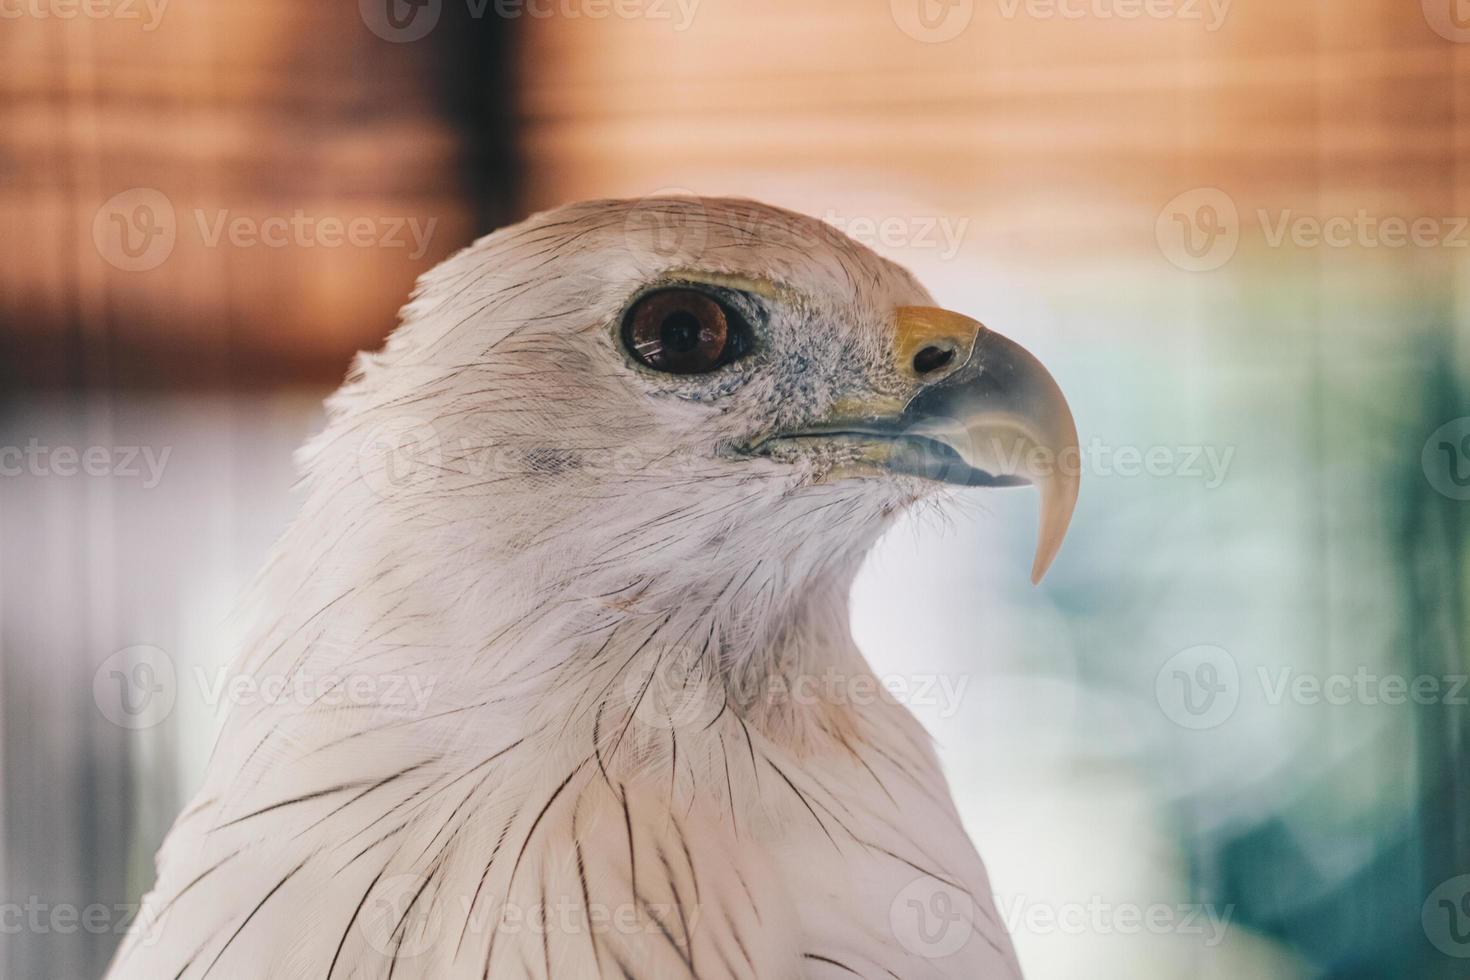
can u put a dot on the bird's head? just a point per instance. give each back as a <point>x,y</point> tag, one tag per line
<point>659,396</point>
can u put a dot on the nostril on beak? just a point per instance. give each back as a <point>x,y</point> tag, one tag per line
<point>930,359</point>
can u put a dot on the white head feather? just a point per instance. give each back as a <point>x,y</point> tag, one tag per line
<point>572,620</point>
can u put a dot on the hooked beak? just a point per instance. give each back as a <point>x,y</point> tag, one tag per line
<point>988,416</point>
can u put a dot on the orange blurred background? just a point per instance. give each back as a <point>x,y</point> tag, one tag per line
<point>1056,137</point>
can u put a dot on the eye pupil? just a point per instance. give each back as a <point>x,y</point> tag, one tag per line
<point>680,332</point>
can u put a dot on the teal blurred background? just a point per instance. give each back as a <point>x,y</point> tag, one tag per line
<point>1227,737</point>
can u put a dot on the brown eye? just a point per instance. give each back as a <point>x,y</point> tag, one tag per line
<point>682,331</point>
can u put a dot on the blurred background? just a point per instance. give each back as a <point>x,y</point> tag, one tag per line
<point>1226,738</point>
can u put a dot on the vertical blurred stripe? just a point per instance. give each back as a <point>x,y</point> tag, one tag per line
<point>215,112</point>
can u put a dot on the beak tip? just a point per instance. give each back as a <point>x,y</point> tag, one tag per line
<point>1058,503</point>
<point>1041,566</point>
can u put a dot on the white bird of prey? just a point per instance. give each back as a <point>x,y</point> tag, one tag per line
<point>553,677</point>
